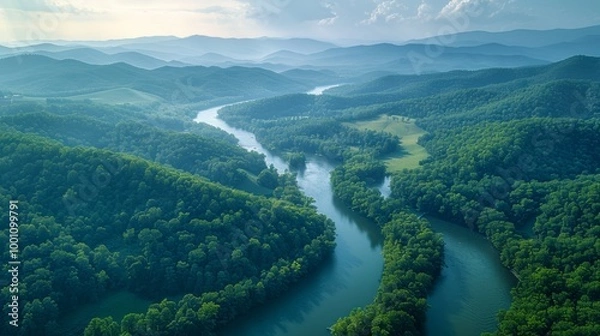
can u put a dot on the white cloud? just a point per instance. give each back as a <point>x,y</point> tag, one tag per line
<point>387,10</point>
<point>291,11</point>
<point>425,11</point>
<point>473,8</point>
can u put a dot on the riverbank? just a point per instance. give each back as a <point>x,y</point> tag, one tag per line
<point>473,282</point>
<point>445,318</point>
<point>350,279</point>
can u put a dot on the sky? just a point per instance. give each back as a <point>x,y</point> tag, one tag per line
<point>332,20</point>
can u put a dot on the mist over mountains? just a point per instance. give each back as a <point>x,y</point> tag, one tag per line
<point>216,70</point>
<point>149,204</point>
<point>462,51</point>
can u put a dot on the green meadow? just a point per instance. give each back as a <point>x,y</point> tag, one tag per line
<point>409,133</point>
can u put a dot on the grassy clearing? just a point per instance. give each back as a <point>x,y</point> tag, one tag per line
<point>406,129</point>
<point>118,96</point>
<point>251,185</point>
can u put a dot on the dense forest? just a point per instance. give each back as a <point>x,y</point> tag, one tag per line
<point>94,221</point>
<point>508,147</point>
<point>497,178</point>
<point>138,198</point>
<point>196,148</point>
<point>311,132</point>
<point>41,76</point>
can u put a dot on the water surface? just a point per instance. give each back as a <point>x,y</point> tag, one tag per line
<point>348,279</point>
<point>473,285</point>
<point>472,288</point>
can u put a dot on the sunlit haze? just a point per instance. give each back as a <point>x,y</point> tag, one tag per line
<point>333,20</point>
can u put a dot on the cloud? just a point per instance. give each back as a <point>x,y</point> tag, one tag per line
<point>215,10</point>
<point>425,11</point>
<point>473,8</point>
<point>290,11</point>
<point>355,20</point>
<point>388,10</point>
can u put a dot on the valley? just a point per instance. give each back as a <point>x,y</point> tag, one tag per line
<point>291,186</point>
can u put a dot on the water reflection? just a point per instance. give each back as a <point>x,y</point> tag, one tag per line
<point>349,278</point>
<point>473,285</point>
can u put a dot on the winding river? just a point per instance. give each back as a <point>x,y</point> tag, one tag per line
<point>472,288</point>
<point>349,279</point>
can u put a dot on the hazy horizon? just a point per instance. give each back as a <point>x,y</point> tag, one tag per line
<point>356,21</point>
<point>340,42</point>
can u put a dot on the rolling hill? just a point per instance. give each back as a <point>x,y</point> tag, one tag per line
<point>96,57</point>
<point>238,48</point>
<point>467,51</point>
<point>520,37</point>
<point>34,75</point>
<point>574,68</point>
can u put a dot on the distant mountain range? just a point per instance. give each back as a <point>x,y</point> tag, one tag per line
<point>41,76</point>
<point>520,37</point>
<point>173,48</point>
<point>577,68</point>
<point>97,57</point>
<point>463,51</point>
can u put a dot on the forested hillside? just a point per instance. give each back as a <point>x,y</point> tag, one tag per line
<point>497,178</point>
<point>410,86</point>
<point>137,198</point>
<point>507,147</point>
<point>93,221</point>
<point>290,123</point>
<point>200,149</point>
<point>39,76</point>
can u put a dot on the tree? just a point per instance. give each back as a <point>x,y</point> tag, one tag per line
<point>268,178</point>
<point>102,327</point>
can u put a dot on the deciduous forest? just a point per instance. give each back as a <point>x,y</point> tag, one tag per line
<point>508,148</point>
<point>138,198</point>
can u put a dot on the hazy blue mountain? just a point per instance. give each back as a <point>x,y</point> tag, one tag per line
<point>242,48</point>
<point>174,48</point>
<point>521,37</point>
<point>42,76</point>
<point>118,42</point>
<point>210,59</point>
<point>93,56</point>
<point>470,51</point>
<point>460,61</point>
<point>407,59</point>
<point>587,45</point>
<point>165,56</point>
<point>490,49</point>
<point>286,57</point>
<point>574,68</point>
<point>50,47</point>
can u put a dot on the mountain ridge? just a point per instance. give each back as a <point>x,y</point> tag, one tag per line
<point>45,77</point>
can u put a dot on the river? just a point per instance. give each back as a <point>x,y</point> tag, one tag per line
<point>473,285</point>
<point>348,279</point>
<point>472,288</point>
